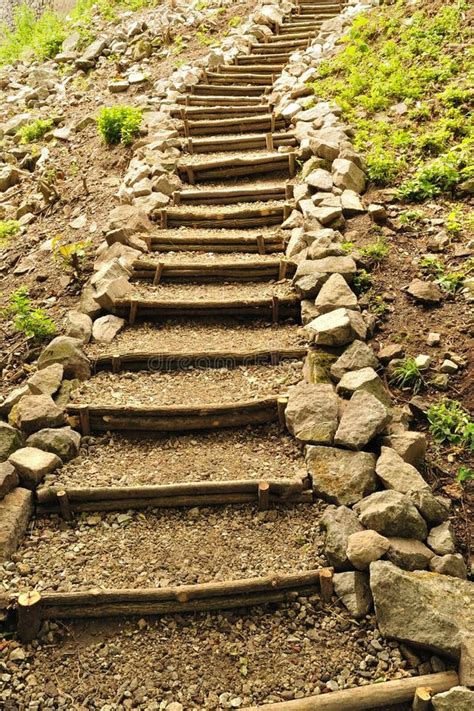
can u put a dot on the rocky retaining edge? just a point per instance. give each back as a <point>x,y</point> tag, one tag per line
<point>387,536</point>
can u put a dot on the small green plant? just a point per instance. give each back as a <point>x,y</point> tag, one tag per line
<point>39,38</point>
<point>203,36</point>
<point>179,44</point>
<point>71,255</point>
<point>8,229</point>
<point>35,130</point>
<point>464,475</point>
<point>235,21</point>
<point>376,251</point>
<point>411,217</point>
<point>439,176</point>
<point>408,375</point>
<point>450,422</point>
<point>432,265</point>
<point>347,246</point>
<point>378,306</point>
<point>362,281</point>
<point>119,124</point>
<point>34,323</point>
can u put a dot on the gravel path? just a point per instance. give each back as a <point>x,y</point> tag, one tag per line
<point>190,387</point>
<point>158,547</point>
<point>204,661</point>
<point>206,334</point>
<point>115,460</point>
<point>227,291</point>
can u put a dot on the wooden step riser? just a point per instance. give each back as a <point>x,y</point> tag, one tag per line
<point>237,127</point>
<point>231,195</point>
<point>230,223</point>
<point>224,173</point>
<point>231,144</point>
<point>239,78</point>
<point>270,58</point>
<point>252,69</point>
<point>218,90</point>
<point>278,47</point>
<point>239,110</point>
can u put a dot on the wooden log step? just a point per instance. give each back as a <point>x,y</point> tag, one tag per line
<point>241,270</point>
<point>371,696</point>
<point>254,68</point>
<point>206,493</point>
<point>178,242</point>
<point>240,78</point>
<point>170,361</point>
<point>233,216</point>
<point>190,100</point>
<point>176,418</point>
<point>232,89</point>
<point>224,168</point>
<point>304,34</point>
<point>221,110</point>
<point>268,57</point>
<point>275,47</point>
<point>216,196</point>
<point>235,124</point>
<point>263,308</point>
<point>245,142</point>
<point>99,603</point>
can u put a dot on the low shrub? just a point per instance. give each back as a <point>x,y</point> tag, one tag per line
<point>119,124</point>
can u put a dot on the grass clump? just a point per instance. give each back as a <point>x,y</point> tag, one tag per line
<point>376,251</point>
<point>33,323</point>
<point>450,423</point>
<point>38,38</point>
<point>407,374</point>
<point>119,124</point>
<point>404,88</point>
<point>8,229</point>
<point>35,130</point>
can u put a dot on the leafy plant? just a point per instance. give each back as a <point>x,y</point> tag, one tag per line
<point>119,124</point>
<point>41,38</point>
<point>71,255</point>
<point>235,21</point>
<point>376,251</point>
<point>407,374</point>
<point>450,422</point>
<point>203,36</point>
<point>362,281</point>
<point>464,474</point>
<point>378,306</point>
<point>34,323</point>
<point>35,130</point>
<point>409,217</point>
<point>8,229</point>
<point>435,178</point>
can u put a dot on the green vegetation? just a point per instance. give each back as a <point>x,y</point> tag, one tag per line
<point>411,217</point>
<point>449,281</point>
<point>34,323</point>
<point>451,423</point>
<point>71,255</point>
<point>235,21</point>
<point>362,281</point>
<point>407,375</point>
<point>408,63</point>
<point>35,130</point>
<point>42,38</point>
<point>464,474</point>
<point>376,251</point>
<point>119,124</point>
<point>8,229</point>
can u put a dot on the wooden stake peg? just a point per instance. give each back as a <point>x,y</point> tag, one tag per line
<point>282,402</point>
<point>158,273</point>
<point>282,269</point>
<point>327,584</point>
<point>84,420</point>
<point>269,141</point>
<point>275,310</point>
<point>29,611</point>
<point>261,244</point>
<point>292,164</point>
<point>63,503</point>
<point>132,317</point>
<point>116,363</point>
<point>163,219</point>
<point>422,699</point>
<point>263,496</point>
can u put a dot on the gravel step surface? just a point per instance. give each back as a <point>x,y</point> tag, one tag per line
<point>189,387</point>
<point>203,661</point>
<point>202,335</point>
<point>227,291</point>
<point>158,548</point>
<point>247,453</point>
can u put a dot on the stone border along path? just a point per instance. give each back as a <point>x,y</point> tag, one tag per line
<point>386,529</point>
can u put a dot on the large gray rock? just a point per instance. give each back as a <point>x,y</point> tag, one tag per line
<point>422,608</point>
<point>363,379</point>
<point>9,479</point>
<point>354,591</point>
<point>68,352</point>
<point>344,266</point>
<point>347,176</point>
<point>308,285</point>
<point>47,380</point>
<point>339,476</point>
<point>335,294</point>
<point>339,523</point>
<point>320,179</point>
<point>15,513</point>
<point>364,547</point>
<point>458,698</point>
<point>79,326</point>
<point>411,446</point>
<point>356,356</point>
<point>409,554</point>
<point>363,418</point>
<point>33,464</point>
<point>397,474</point>
<point>311,413</point>
<point>10,440</point>
<point>391,514</point>
<point>441,539</point>
<point>432,508</point>
<point>450,564</point>
<point>425,292</point>
<point>34,412</point>
<point>337,328</point>
<point>64,442</point>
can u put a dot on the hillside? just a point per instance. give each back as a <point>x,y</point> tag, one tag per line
<point>237,288</point>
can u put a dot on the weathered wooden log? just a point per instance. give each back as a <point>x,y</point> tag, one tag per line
<point>270,58</point>
<point>244,161</point>
<point>236,123</point>
<point>263,496</point>
<point>327,584</point>
<point>244,142</point>
<point>372,696</point>
<point>64,505</point>
<point>293,36</point>
<point>254,68</point>
<point>29,615</point>
<point>210,101</point>
<point>166,360</point>
<point>239,78</point>
<point>240,166</point>
<point>229,89</point>
<point>242,194</point>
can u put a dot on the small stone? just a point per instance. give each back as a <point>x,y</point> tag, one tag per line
<point>441,539</point>
<point>411,446</point>
<point>433,509</point>
<point>339,523</point>
<point>340,476</point>
<point>458,698</point>
<point>364,547</point>
<point>9,479</point>
<point>347,175</point>
<point>35,412</point>
<point>106,328</point>
<point>365,379</point>
<point>62,441</point>
<point>17,655</point>
<point>356,356</point>
<point>424,292</point>
<point>423,361</point>
<point>354,590</point>
<point>363,418</point>
<point>337,328</point>
<point>390,352</point>
<point>397,474</point>
<point>320,179</point>
<point>377,212</point>
<point>434,339</point>
<point>33,464</point>
<point>447,366</point>
<point>390,513</point>
<point>450,564</point>
<point>409,554</point>
<point>311,412</point>
<point>335,294</point>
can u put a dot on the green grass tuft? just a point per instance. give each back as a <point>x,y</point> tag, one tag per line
<point>119,124</point>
